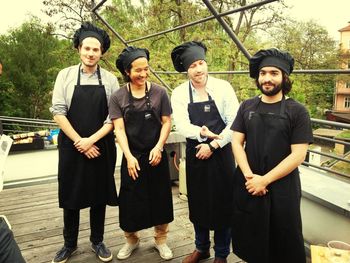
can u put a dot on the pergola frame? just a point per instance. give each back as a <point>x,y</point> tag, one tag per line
<point>225,26</point>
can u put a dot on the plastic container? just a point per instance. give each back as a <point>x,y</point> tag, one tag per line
<point>339,252</point>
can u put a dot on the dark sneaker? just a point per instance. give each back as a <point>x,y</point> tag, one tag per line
<point>103,253</point>
<point>63,254</point>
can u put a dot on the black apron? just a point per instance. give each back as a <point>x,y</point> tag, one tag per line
<point>268,229</point>
<point>84,182</point>
<point>209,182</point>
<point>146,201</point>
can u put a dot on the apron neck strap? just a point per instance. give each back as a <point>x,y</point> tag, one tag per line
<point>148,100</point>
<point>282,108</point>
<point>283,105</point>
<point>98,75</point>
<point>191,95</point>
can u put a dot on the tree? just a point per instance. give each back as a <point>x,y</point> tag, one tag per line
<point>69,14</point>
<point>31,66</point>
<point>312,48</point>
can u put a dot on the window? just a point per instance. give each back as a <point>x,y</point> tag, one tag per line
<point>347,84</point>
<point>347,102</point>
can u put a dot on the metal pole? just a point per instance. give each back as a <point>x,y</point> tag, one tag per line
<point>202,20</point>
<point>126,44</point>
<point>331,123</point>
<point>98,6</point>
<point>331,140</point>
<point>330,156</point>
<point>299,71</point>
<point>325,169</point>
<point>228,30</point>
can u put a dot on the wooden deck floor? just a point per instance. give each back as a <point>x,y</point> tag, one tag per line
<point>37,225</point>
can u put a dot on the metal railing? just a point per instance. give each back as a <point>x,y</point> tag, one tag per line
<point>331,158</point>
<point>14,125</point>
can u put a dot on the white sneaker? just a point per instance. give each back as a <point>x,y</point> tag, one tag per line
<point>127,249</point>
<point>164,251</point>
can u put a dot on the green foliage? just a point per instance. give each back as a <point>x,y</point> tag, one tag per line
<point>343,135</point>
<point>312,48</point>
<point>35,52</point>
<point>30,67</point>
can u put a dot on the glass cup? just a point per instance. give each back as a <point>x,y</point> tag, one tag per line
<point>339,252</point>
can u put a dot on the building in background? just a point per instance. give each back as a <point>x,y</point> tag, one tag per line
<point>341,106</point>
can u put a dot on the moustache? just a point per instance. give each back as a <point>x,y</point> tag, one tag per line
<point>268,83</point>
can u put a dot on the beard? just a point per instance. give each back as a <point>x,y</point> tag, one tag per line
<point>271,92</point>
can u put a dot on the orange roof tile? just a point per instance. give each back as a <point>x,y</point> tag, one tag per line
<point>347,28</point>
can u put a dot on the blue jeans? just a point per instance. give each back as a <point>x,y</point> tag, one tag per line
<point>222,239</point>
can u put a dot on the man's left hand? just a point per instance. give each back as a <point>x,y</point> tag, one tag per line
<point>83,144</point>
<point>93,152</point>
<point>203,151</point>
<point>257,185</point>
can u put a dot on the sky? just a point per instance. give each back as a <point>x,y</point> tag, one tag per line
<point>333,15</point>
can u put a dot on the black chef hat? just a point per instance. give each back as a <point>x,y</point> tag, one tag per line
<point>128,55</point>
<point>187,53</point>
<point>89,30</point>
<point>272,57</point>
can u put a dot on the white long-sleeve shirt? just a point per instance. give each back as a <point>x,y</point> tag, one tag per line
<point>225,100</point>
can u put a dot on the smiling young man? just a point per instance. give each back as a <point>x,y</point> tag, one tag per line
<point>87,152</point>
<point>141,111</point>
<point>204,109</point>
<point>270,140</point>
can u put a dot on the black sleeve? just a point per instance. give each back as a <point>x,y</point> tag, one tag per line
<point>238,123</point>
<point>241,121</point>
<point>9,250</point>
<point>301,125</point>
<point>165,103</point>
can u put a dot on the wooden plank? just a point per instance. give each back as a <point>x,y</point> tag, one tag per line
<point>38,223</point>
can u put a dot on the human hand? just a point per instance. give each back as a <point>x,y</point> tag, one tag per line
<point>155,156</point>
<point>205,132</point>
<point>256,185</point>
<point>83,144</point>
<point>133,167</point>
<point>92,152</point>
<point>203,151</point>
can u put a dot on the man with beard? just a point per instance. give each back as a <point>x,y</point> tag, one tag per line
<point>276,132</point>
<point>87,152</point>
<point>204,109</point>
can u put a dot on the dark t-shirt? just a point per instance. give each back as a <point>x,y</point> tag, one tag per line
<point>160,102</point>
<point>297,114</point>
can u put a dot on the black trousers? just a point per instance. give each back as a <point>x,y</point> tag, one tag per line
<point>9,250</point>
<point>71,225</point>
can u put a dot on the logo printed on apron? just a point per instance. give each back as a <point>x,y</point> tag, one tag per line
<point>206,108</point>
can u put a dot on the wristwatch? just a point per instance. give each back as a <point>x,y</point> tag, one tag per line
<point>211,147</point>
